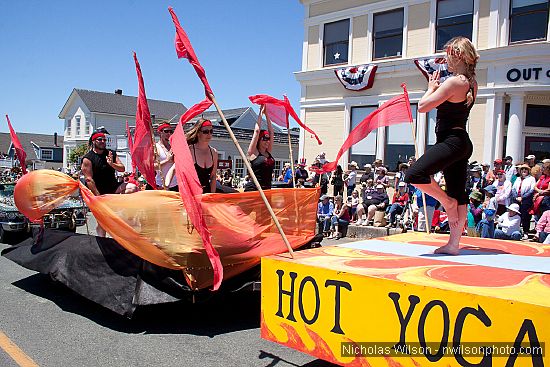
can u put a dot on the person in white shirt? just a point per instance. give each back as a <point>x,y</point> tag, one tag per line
<point>509,168</point>
<point>509,224</point>
<point>165,158</point>
<point>504,189</point>
<point>351,180</point>
<point>522,193</point>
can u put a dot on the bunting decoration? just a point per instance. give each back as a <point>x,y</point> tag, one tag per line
<point>19,151</point>
<point>395,111</point>
<point>279,110</point>
<point>142,149</point>
<point>356,78</point>
<point>430,65</point>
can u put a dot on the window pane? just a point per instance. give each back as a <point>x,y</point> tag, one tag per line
<point>528,26</point>
<point>336,53</point>
<point>431,138</point>
<point>444,34</point>
<point>537,115</point>
<point>528,5</point>
<point>452,8</point>
<point>364,151</point>
<point>336,32</point>
<point>399,142</point>
<point>386,47</point>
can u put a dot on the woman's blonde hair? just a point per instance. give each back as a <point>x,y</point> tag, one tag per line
<point>192,134</point>
<point>463,49</point>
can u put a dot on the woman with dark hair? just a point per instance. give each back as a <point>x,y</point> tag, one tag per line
<point>204,156</point>
<point>259,154</point>
<point>338,181</point>
<point>454,100</point>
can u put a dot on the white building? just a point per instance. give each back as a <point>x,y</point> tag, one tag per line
<point>511,115</point>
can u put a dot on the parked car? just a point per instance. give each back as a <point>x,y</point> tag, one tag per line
<point>69,215</point>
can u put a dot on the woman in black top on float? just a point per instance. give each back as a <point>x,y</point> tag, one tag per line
<point>453,99</point>
<point>259,154</point>
<point>204,156</point>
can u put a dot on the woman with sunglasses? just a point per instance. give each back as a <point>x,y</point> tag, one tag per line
<point>165,158</point>
<point>204,156</point>
<point>453,99</point>
<point>259,154</point>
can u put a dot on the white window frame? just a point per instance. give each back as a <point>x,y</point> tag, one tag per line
<point>322,45</point>
<point>77,120</point>
<point>42,151</point>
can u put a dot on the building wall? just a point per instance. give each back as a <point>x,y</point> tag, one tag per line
<point>329,124</point>
<point>360,40</point>
<point>476,126</point>
<point>483,24</point>
<point>313,49</point>
<point>333,6</point>
<point>418,30</point>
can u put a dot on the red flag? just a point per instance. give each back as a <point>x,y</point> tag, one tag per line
<point>185,50</point>
<point>142,150</point>
<point>190,191</point>
<point>19,151</point>
<point>274,105</point>
<point>195,110</point>
<point>395,111</point>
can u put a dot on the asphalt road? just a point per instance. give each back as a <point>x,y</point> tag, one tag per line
<point>55,327</point>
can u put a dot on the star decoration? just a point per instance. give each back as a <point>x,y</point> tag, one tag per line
<point>337,56</point>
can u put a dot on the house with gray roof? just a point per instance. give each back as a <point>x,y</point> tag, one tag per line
<point>43,150</point>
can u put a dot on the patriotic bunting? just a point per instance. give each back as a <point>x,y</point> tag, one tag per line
<point>431,65</point>
<point>357,78</point>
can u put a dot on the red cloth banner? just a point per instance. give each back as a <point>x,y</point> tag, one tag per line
<point>273,106</point>
<point>395,111</point>
<point>185,50</point>
<point>142,150</point>
<point>19,151</point>
<point>191,191</point>
<point>195,110</point>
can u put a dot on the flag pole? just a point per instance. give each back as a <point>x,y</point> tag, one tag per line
<point>252,175</point>
<point>416,155</point>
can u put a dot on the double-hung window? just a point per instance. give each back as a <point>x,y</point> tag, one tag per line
<point>336,42</point>
<point>454,18</point>
<point>528,20</point>
<point>388,34</point>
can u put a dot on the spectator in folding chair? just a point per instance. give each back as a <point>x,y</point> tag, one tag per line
<point>325,209</point>
<point>399,202</point>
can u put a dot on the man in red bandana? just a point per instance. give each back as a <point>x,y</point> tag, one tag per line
<point>99,166</point>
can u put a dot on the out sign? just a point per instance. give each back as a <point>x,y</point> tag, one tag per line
<point>535,73</point>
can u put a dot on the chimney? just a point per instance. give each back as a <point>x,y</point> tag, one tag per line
<point>55,139</point>
<point>118,91</point>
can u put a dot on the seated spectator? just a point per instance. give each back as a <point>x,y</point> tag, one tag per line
<point>227,179</point>
<point>374,201</point>
<point>536,170</point>
<point>542,192</point>
<point>400,175</point>
<point>475,181</point>
<point>287,173</point>
<point>430,208</point>
<point>504,189</point>
<point>301,172</point>
<point>486,227</point>
<point>475,211</point>
<point>523,190</point>
<point>508,224</point>
<point>543,227</point>
<point>301,183</point>
<point>340,218</point>
<point>354,204</point>
<point>325,209</point>
<point>368,174</point>
<point>440,221</point>
<point>380,177</point>
<point>400,199</point>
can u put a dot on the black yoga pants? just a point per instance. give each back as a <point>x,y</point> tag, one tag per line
<point>450,154</point>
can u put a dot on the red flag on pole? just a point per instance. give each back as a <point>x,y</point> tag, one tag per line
<point>274,108</point>
<point>195,110</point>
<point>142,149</point>
<point>190,191</point>
<point>395,111</point>
<point>185,50</point>
<point>19,151</point>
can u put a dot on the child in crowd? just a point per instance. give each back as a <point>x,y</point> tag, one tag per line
<point>509,224</point>
<point>475,210</point>
<point>486,227</point>
<point>354,203</point>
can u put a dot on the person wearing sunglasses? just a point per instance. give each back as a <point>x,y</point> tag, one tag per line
<point>204,156</point>
<point>259,154</point>
<point>453,99</point>
<point>99,166</point>
<point>165,158</point>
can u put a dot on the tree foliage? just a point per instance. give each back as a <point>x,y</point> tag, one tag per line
<point>77,153</point>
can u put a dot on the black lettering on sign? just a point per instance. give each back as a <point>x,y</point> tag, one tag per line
<point>513,75</point>
<point>548,73</point>
<point>534,345</point>
<point>337,285</point>
<point>527,74</point>
<point>422,325</point>
<point>537,70</point>
<point>290,293</point>
<point>306,280</point>
<point>480,314</point>
<point>403,321</point>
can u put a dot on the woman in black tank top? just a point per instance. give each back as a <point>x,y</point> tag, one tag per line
<point>453,100</point>
<point>261,160</point>
<point>204,156</point>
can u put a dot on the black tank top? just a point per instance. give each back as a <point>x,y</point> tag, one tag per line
<point>102,174</point>
<point>453,114</point>
<point>204,173</point>
<point>262,167</point>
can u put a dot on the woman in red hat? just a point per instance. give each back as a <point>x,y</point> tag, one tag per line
<point>204,156</point>
<point>259,154</point>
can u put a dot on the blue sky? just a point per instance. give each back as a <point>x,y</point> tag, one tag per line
<point>47,48</point>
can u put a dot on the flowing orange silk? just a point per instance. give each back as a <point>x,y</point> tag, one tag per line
<point>154,225</point>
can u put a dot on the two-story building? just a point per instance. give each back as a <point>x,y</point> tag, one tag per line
<point>511,115</point>
<point>43,150</point>
<point>86,110</point>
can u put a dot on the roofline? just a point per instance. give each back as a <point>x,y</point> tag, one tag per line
<point>63,111</point>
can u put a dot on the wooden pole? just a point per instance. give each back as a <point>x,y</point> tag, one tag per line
<point>291,156</point>
<point>253,176</point>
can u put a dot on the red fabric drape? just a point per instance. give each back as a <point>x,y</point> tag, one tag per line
<point>275,113</point>
<point>143,151</point>
<point>190,192</point>
<point>195,110</point>
<point>394,111</point>
<point>19,151</point>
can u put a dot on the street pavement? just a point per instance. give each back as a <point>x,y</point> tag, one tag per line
<point>55,327</point>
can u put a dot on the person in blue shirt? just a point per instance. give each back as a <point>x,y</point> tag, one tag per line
<point>325,209</point>
<point>430,208</point>
<point>288,173</point>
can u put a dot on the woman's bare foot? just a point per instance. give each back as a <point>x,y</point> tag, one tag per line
<point>447,249</point>
<point>451,208</point>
